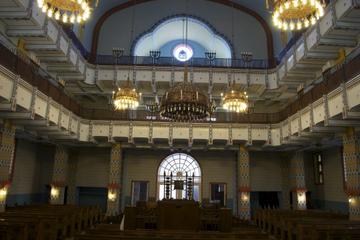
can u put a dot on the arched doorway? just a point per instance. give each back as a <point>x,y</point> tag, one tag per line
<point>180,165</point>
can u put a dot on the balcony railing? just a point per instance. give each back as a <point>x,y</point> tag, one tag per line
<point>30,72</point>
<point>171,61</point>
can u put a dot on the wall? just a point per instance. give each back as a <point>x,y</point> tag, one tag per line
<point>92,167</point>
<point>246,27</point>
<point>32,172</point>
<point>330,195</point>
<point>143,165</point>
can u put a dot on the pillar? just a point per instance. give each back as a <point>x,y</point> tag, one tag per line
<point>243,184</point>
<point>297,179</point>
<point>114,187</point>
<point>7,151</point>
<point>351,157</point>
<point>59,178</point>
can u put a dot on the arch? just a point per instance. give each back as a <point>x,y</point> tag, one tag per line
<point>229,3</point>
<point>199,31</point>
<point>179,164</point>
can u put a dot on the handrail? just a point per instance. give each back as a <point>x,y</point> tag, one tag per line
<point>102,59</point>
<point>32,73</point>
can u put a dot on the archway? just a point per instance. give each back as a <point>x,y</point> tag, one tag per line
<point>180,165</point>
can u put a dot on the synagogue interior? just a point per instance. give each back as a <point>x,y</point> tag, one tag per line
<point>179,119</point>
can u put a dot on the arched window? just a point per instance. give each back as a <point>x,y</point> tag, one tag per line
<point>167,36</point>
<point>179,165</point>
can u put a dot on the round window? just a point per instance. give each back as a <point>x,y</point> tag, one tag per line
<point>183,52</point>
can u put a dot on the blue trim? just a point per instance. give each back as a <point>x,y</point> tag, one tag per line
<point>176,17</point>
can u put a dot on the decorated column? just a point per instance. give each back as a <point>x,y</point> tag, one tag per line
<point>351,157</point>
<point>7,150</point>
<point>114,187</point>
<point>243,184</point>
<point>297,179</point>
<point>59,179</point>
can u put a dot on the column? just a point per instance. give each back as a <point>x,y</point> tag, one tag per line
<point>243,184</point>
<point>7,150</point>
<point>114,187</point>
<point>59,178</point>
<point>297,179</point>
<point>351,158</point>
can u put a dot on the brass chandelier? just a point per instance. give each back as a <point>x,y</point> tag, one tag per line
<point>235,101</point>
<point>297,14</point>
<point>126,98</point>
<point>184,102</point>
<point>66,10</point>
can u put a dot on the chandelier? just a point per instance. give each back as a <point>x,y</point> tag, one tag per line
<point>297,14</point>
<point>236,101</point>
<point>184,102</point>
<point>126,98</point>
<point>67,10</point>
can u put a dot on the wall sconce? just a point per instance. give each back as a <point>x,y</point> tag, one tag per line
<point>3,193</point>
<point>244,197</point>
<point>351,200</point>
<point>301,197</point>
<point>112,195</point>
<point>55,192</point>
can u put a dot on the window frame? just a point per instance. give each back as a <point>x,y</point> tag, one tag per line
<point>132,190</point>
<point>318,168</point>
<point>225,191</point>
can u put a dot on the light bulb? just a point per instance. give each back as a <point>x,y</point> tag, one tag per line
<point>72,18</point>
<point>44,8</point>
<point>285,26</point>
<point>40,3</point>
<point>304,2</point>
<point>79,1</point>
<point>50,13</point>
<point>57,15</point>
<point>65,18</point>
<point>287,5</point>
<point>313,20</point>
<point>306,23</point>
<point>83,5</point>
<point>292,26</point>
<point>296,3</point>
<point>78,18</point>
<point>299,25</point>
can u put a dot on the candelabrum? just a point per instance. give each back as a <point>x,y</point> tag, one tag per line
<point>210,56</point>
<point>117,53</point>
<point>247,57</point>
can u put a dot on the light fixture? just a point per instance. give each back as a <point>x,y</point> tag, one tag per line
<point>297,14</point>
<point>112,195</point>
<point>54,192</point>
<point>79,10</point>
<point>185,102</point>
<point>126,98</point>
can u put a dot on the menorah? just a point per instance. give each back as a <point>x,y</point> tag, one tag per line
<point>169,182</point>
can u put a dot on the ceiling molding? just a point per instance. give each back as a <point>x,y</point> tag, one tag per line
<point>229,3</point>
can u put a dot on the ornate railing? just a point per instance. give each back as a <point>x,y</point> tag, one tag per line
<point>30,71</point>
<point>171,61</point>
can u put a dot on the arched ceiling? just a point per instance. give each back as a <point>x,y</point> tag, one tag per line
<point>258,6</point>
